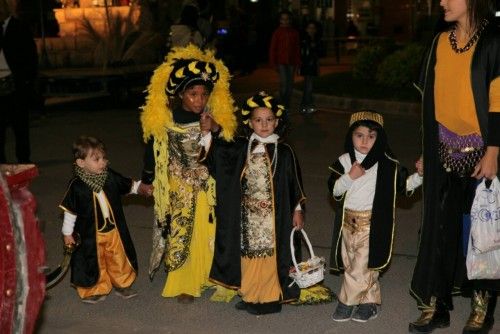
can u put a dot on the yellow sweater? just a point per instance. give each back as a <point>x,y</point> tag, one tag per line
<point>454,100</point>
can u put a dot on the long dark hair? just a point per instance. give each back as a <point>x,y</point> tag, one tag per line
<point>479,10</point>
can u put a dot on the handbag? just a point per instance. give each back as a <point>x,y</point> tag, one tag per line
<point>485,217</point>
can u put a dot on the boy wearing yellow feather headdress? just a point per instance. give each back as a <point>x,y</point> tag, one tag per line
<point>184,231</point>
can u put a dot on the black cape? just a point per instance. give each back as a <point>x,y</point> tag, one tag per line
<point>391,178</point>
<point>485,67</point>
<point>226,162</point>
<point>79,201</point>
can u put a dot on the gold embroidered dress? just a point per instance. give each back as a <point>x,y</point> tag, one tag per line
<point>189,245</point>
<point>259,274</point>
<point>183,191</point>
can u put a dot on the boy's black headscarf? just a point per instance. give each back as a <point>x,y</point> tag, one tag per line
<point>374,122</point>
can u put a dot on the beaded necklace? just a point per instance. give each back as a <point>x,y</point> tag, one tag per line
<point>453,38</point>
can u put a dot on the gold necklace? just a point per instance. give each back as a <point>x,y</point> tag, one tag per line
<point>453,38</point>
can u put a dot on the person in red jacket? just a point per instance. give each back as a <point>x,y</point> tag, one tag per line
<point>284,53</point>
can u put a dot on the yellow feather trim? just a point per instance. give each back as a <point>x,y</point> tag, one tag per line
<point>156,116</point>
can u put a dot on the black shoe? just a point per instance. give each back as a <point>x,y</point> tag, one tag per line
<point>429,320</point>
<point>343,312</point>
<point>126,293</point>
<point>365,312</point>
<point>264,308</point>
<point>241,305</point>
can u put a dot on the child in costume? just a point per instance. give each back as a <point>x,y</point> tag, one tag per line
<point>184,231</point>
<point>365,180</point>
<point>259,200</point>
<point>92,208</point>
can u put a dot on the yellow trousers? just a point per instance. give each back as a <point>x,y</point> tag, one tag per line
<point>259,280</point>
<point>114,267</point>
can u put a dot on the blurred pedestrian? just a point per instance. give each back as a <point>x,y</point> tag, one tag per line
<point>310,50</point>
<point>284,54</point>
<point>18,71</point>
<point>186,31</point>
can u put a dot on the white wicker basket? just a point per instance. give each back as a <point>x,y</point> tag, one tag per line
<point>308,272</point>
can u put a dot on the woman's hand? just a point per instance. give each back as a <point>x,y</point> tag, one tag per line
<point>207,123</point>
<point>298,219</point>
<point>488,165</point>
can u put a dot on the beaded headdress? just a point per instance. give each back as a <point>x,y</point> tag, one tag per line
<point>366,116</point>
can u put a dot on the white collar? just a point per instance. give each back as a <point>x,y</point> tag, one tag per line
<point>272,139</point>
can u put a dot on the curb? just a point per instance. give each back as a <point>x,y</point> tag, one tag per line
<point>349,103</point>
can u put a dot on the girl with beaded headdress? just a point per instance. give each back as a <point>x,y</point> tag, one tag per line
<point>259,200</point>
<point>188,93</point>
<point>460,87</point>
<point>364,182</point>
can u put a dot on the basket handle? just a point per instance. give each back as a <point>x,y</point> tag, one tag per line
<point>292,248</point>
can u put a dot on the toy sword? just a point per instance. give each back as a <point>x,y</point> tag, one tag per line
<point>54,277</point>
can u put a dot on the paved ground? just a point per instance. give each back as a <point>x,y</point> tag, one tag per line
<point>317,139</point>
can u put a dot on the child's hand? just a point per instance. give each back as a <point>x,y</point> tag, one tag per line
<point>298,219</point>
<point>68,240</point>
<point>419,165</point>
<point>207,123</point>
<point>356,171</point>
<point>145,189</point>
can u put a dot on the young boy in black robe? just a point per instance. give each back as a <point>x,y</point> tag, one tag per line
<point>92,208</point>
<point>365,180</point>
<point>260,199</point>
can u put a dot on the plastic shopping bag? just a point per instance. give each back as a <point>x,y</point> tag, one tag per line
<point>483,265</point>
<point>485,218</point>
<point>483,251</point>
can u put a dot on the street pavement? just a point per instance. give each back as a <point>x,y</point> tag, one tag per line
<point>317,139</point>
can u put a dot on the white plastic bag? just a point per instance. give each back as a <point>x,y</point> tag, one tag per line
<point>485,218</point>
<point>483,252</point>
<point>483,265</point>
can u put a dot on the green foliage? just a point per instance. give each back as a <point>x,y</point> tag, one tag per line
<point>399,69</point>
<point>121,43</point>
<point>368,59</point>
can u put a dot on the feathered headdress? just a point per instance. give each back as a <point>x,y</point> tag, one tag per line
<point>182,65</point>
